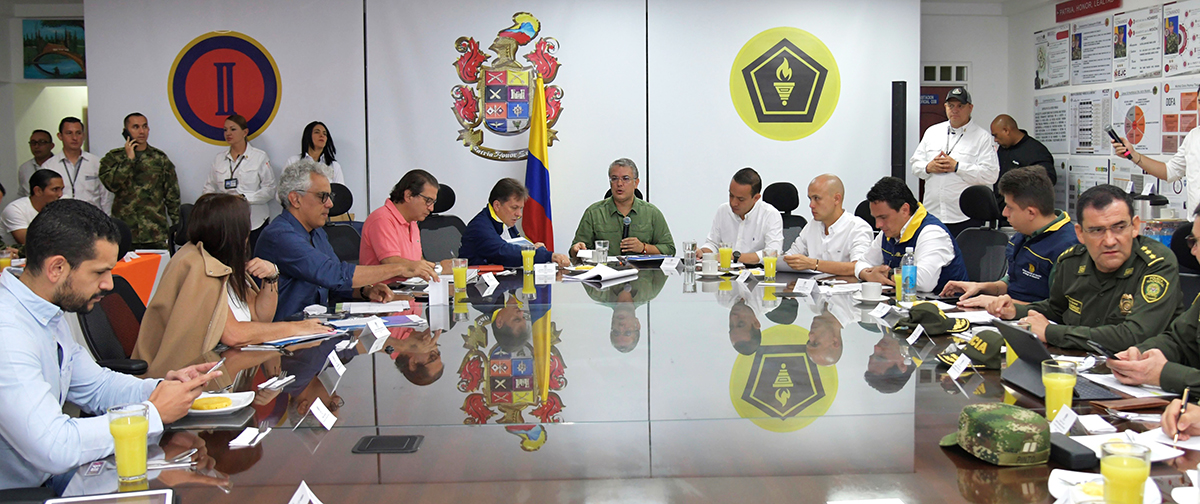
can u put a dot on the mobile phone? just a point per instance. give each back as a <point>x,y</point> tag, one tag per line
<point>1103,351</point>
<point>1113,135</point>
<point>126,135</point>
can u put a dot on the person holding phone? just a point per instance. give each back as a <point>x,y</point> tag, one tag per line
<point>245,171</point>
<point>144,185</point>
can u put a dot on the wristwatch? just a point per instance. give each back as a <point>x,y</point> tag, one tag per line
<point>737,256</point>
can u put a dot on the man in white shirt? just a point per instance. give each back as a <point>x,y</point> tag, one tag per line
<point>747,224</point>
<point>41,145</point>
<point>71,254</point>
<point>835,240</point>
<point>47,186</point>
<point>80,170</point>
<point>952,156</point>
<point>938,258</point>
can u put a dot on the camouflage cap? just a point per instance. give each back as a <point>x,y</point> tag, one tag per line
<point>1002,434</point>
<point>983,349</point>
<point>932,318</point>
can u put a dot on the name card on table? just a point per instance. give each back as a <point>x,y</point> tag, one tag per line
<point>1063,421</point>
<point>337,363</point>
<point>439,292</point>
<point>670,265</point>
<point>380,332</point>
<point>304,495</point>
<point>959,366</point>
<point>743,276</point>
<point>1147,186</point>
<point>881,310</point>
<point>323,414</point>
<point>805,286</point>
<point>912,338</point>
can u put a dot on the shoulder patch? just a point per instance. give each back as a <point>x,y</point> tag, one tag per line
<point>1152,251</point>
<point>1154,287</point>
<point>1070,251</point>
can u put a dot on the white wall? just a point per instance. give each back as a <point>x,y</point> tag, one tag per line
<point>981,39</point>
<point>38,106</point>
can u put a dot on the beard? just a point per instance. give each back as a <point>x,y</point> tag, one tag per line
<point>71,301</point>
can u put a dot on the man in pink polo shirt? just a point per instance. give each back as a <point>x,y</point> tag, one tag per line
<point>390,234</point>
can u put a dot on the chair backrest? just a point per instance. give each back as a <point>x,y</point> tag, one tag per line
<point>343,199</point>
<point>783,196</point>
<point>111,330</point>
<point>441,235</point>
<point>637,193</point>
<point>126,238</point>
<point>345,241</point>
<point>179,230</point>
<point>979,202</point>
<point>863,211</point>
<point>445,199</point>
<point>983,252</point>
<point>1179,245</point>
<point>792,225</point>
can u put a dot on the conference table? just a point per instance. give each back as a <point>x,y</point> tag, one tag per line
<point>666,388</point>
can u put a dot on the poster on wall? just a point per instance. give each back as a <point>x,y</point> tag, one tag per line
<point>1084,172</point>
<point>1050,123</point>
<point>1122,172</point>
<point>1090,111</point>
<point>1176,193</point>
<point>1137,39</point>
<point>1179,112</point>
<point>1060,185</point>
<point>1052,48</point>
<point>1091,51</point>
<point>1179,38</point>
<point>53,49</point>
<point>1136,116</point>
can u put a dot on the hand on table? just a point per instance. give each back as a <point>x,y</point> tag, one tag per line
<point>967,289</point>
<point>980,301</point>
<point>632,245</point>
<point>1137,368</point>
<point>1187,425</point>
<point>1037,324</point>
<point>561,260</point>
<point>800,262</point>
<point>1002,307</point>
<point>420,269</point>
<point>577,247</point>
<point>881,274</point>
<point>380,293</point>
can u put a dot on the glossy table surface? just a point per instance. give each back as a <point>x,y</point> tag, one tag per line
<point>688,390</point>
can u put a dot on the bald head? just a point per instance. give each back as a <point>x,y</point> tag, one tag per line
<point>825,195</point>
<point>1005,131</point>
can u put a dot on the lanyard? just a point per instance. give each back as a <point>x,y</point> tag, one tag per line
<point>66,168</point>
<point>949,132</point>
<point>233,167</point>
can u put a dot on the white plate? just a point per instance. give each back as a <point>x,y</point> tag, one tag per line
<point>857,296</point>
<point>240,400</point>
<point>1061,489</point>
<point>1185,495</point>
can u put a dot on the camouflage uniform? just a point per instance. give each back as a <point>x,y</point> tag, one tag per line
<point>1002,434</point>
<point>145,193</point>
<point>1118,309</point>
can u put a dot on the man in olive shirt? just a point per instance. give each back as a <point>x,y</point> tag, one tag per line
<point>1116,288</point>
<point>1169,360</point>
<point>646,230</point>
<point>626,329</point>
<point>144,185</point>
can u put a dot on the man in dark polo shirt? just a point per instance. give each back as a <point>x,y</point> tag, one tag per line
<point>1018,149</point>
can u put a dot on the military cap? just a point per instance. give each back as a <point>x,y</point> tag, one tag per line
<point>983,349</point>
<point>1002,434</point>
<point>932,319</point>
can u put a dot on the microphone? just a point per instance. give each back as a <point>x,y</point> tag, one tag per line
<point>625,230</point>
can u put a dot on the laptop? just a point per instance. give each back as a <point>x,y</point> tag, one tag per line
<point>1026,371</point>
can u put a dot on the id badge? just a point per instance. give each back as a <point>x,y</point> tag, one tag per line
<point>231,183</point>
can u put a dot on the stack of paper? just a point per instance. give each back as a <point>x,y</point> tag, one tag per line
<point>292,340</point>
<point>602,273</point>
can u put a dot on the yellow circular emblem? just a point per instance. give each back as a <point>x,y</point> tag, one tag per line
<point>779,387</point>
<point>785,83</point>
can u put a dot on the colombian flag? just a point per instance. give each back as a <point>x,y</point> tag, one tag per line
<point>537,221</point>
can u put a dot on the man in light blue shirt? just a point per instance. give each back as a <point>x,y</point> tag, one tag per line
<point>71,249</point>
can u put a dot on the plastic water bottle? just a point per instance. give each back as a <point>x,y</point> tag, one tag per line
<point>908,269</point>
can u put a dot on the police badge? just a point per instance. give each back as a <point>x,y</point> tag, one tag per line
<point>1126,304</point>
<point>498,95</point>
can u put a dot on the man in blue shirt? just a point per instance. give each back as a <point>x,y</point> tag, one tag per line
<point>308,267</point>
<point>71,250</point>
<point>486,240</point>
<point>1043,234</point>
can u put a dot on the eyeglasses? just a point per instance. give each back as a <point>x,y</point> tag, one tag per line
<point>428,201</point>
<point>1191,240</point>
<point>615,179</point>
<point>1100,232</point>
<point>324,196</point>
<point>39,142</point>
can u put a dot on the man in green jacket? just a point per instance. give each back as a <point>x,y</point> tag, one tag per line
<point>144,185</point>
<point>1116,288</point>
<point>646,231</point>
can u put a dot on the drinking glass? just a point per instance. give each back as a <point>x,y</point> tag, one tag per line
<point>129,424</point>
<point>1059,379</point>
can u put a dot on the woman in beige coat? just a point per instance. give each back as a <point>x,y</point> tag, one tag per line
<point>207,294</point>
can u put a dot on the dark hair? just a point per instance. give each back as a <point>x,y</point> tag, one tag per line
<point>750,346</point>
<point>507,188</point>
<point>1029,186</point>
<point>419,376</point>
<point>1100,197</point>
<point>41,178</point>
<point>238,120</point>
<point>894,192</point>
<point>130,116</point>
<point>3,192</point>
<point>328,154</point>
<point>747,176</point>
<point>69,119</point>
<point>69,228</point>
<point>891,381</point>
<point>414,182</point>
<point>222,223</point>
<point>44,132</point>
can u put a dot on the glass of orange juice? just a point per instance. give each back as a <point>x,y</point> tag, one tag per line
<point>1125,467</point>
<point>527,252</point>
<point>1059,379</point>
<point>770,259</point>
<point>725,255</point>
<point>5,258</point>
<point>129,424</point>
<point>458,266</point>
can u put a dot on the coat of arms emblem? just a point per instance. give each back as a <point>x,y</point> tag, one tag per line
<point>497,91</point>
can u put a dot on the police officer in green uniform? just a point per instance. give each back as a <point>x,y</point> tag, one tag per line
<point>1116,288</point>
<point>144,185</point>
<point>1169,360</point>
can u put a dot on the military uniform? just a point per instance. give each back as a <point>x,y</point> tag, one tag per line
<point>1118,309</point>
<point>145,193</point>
<point>1181,345</point>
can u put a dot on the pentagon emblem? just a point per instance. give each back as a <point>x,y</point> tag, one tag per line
<point>779,387</point>
<point>1154,287</point>
<point>785,83</point>
<point>1126,304</point>
<point>497,96</point>
<point>219,74</point>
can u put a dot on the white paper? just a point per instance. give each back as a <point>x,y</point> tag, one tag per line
<point>881,310</point>
<point>1158,451</point>
<point>337,363</point>
<point>1147,189</point>
<point>584,254</point>
<point>489,279</point>
<point>960,364</point>
<point>670,264</point>
<point>602,273</point>
<point>916,334</point>
<point>545,269</point>
<point>907,305</point>
<point>1063,421</point>
<point>439,292</point>
<point>315,309</point>
<point>974,317</point>
<point>1157,436</point>
<point>845,288</point>
<point>304,495</point>
<point>358,308</point>
<point>1095,424</point>
<point>1142,391</point>
<point>805,286</point>
<point>322,413</point>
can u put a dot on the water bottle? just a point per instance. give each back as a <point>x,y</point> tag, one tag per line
<point>908,270</point>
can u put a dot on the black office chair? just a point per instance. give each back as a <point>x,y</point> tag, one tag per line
<point>177,235</point>
<point>31,495</point>
<point>343,236</point>
<point>637,193</point>
<point>441,235</point>
<point>982,247</point>
<point>785,198</point>
<point>863,211</point>
<point>1179,245</point>
<point>126,243</point>
<point>111,330</point>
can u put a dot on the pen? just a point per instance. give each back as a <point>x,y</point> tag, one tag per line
<point>1182,410</point>
<point>214,368</point>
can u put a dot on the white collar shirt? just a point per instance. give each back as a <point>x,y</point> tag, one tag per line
<point>975,152</point>
<point>82,183</point>
<point>1185,164</point>
<point>338,178</point>
<point>23,173</point>
<point>848,240</point>
<point>934,250</point>
<point>761,229</point>
<point>255,180</point>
